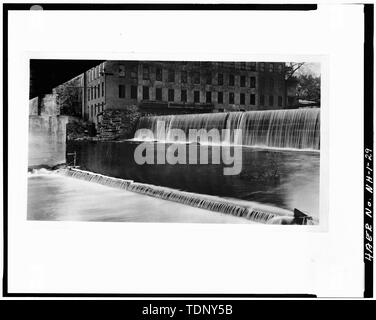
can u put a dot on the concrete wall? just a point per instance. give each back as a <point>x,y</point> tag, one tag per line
<point>47,140</point>
<point>34,106</point>
<point>46,105</point>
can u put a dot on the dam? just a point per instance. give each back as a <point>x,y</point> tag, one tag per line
<point>280,156</point>
<point>279,153</point>
<point>288,129</point>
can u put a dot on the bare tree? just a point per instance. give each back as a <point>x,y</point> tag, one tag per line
<point>291,68</point>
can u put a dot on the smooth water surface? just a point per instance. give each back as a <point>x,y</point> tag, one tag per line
<point>282,178</point>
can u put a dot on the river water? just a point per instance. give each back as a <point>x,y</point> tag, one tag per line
<point>282,178</point>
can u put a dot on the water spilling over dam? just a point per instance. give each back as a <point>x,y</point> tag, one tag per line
<point>293,129</point>
<point>249,210</point>
<point>98,198</point>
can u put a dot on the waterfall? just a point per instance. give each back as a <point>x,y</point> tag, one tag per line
<point>186,122</point>
<point>248,210</point>
<point>296,129</point>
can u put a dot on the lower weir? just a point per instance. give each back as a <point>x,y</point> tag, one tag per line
<point>247,210</point>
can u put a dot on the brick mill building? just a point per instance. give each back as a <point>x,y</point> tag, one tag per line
<point>161,87</point>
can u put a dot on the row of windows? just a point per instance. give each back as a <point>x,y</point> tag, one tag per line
<point>95,92</point>
<point>196,77</point>
<point>95,72</point>
<point>270,67</point>
<point>196,96</point>
<point>270,83</point>
<point>94,109</point>
<point>171,72</point>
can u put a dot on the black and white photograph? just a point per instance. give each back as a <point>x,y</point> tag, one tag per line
<point>174,141</point>
<point>187,151</point>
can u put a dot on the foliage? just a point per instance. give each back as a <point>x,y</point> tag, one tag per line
<point>70,98</point>
<point>309,87</point>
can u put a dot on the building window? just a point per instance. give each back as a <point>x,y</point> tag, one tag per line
<point>158,94</point>
<point>253,66</point>
<point>220,79</point>
<point>253,82</point>
<point>158,74</point>
<point>252,99</point>
<point>262,100</point>
<point>121,70</point>
<point>102,89</point>
<point>262,66</point>
<point>145,73</point>
<point>133,92</point>
<point>271,83</point>
<point>184,77</point>
<point>280,67</point>
<point>242,98</point>
<point>231,80</point>
<point>183,96</point>
<point>242,65</point>
<point>196,96</point>
<point>134,72</point>
<point>171,75</point>
<point>196,78</point>
<point>99,90</point>
<point>220,97</point>
<point>231,98</point>
<point>121,91</point>
<point>171,94</point>
<point>279,101</point>
<point>145,93</point>
<point>271,101</point>
<point>271,67</point>
<point>95,92</point>
<point>242,81</point>
<point>209,78</point>
<point>91,93</point>
<point>88,94</point>
<point>208,97</point>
